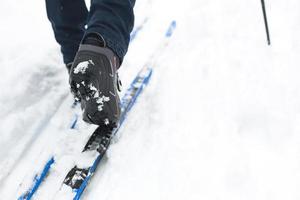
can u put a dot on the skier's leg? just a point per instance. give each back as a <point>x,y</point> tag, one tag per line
<point>113,20</point>
<point>68,19</point>
<point>93,76</point>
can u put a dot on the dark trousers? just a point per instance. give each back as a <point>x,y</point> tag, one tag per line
<point>70,19</point>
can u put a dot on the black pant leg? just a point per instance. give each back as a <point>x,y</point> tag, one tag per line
<point>114,20</point>
<point>68,19</point>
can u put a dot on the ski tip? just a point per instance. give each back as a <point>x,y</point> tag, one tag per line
<point>171,28</point>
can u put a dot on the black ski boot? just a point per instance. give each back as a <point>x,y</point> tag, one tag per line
<point>94,81</point>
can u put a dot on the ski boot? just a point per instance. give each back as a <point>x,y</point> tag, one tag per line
<point>94,81</point>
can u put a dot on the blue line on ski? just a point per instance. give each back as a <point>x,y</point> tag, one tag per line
<point>171,29</point>
<point>132,86</point>
<point>92,170</point>
<point>37,181</point>
<point>137,29</point>
<point>74,122</point>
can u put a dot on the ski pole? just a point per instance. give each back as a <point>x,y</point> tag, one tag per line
<point>266,21</point>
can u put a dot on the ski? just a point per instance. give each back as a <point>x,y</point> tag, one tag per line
<point>39,177</point>
<point>37,180</point>
<point>78,177</point>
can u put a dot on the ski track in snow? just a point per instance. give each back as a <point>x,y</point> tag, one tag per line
<point>219,119</point>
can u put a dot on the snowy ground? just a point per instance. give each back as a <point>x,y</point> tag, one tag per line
<point>220,119</point>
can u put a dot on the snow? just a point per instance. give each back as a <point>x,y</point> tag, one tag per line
<point>219,119</point>
<point>82,67</point>
<point>101,100</point>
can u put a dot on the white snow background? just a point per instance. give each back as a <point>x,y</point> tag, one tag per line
<point>220,119</point>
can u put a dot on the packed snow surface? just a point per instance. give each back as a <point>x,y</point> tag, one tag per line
<point>220,118</point>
